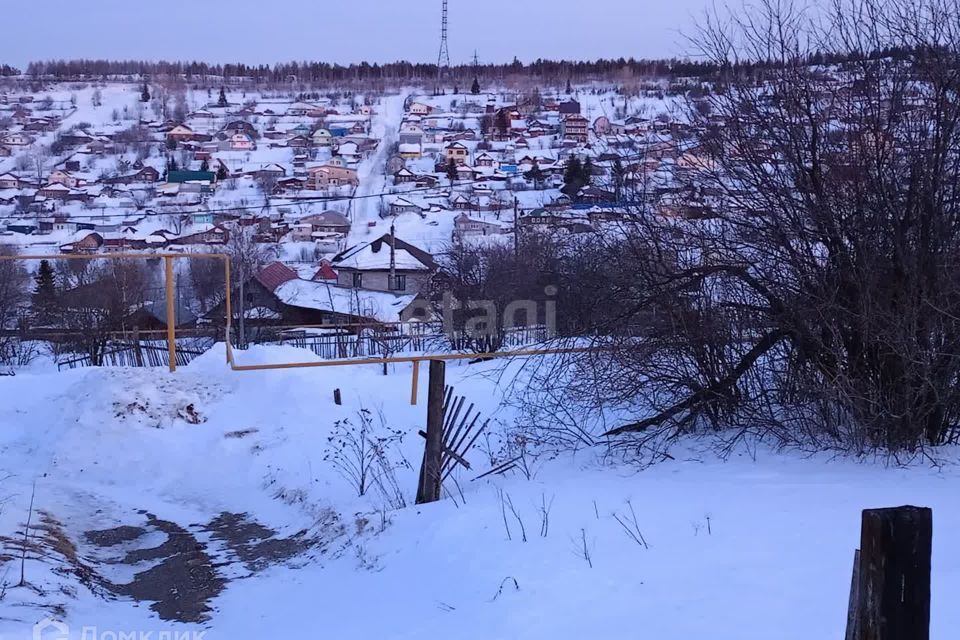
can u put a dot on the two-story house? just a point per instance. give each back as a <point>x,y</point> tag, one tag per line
<point>385,264</point>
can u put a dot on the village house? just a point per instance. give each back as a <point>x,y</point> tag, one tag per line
<point>242,142</point>
<point>485,160</point>
<point>180,133</point>
<point>575,127</point>
<point>301,109</point>
<point>465,226</point>
<point>329,175</point>
<point>83,242</point>
<point>205,234</point>
<point>385,264</point>
<point>65,178</point>
<point>456,151</point>
<point>17,139</point>
<point>313,226</point>
<point>9,181</point>
<point>322,137</point>
<point>420,109</point>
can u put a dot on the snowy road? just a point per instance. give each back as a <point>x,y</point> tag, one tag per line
<point>385,125</point>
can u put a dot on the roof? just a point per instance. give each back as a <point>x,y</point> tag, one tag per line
<point>191,176</point>
<point>322,296</point>
<point>375,256</point>
<point>325,272</point>
<point>274,275</point>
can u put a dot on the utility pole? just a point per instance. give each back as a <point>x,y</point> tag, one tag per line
<point>516,227</point>
<point>443,59</point>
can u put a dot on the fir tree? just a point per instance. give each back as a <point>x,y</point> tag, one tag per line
<point>145,93</point>
<point>619,175</point>
<point>503,122</point>
<point>204,166</point>
<point>44,292</point>
<point>452,170</point>
<point>475,89</point>
<point>535,175</point>
<point>222,172</point>
<point>573,177</point>
<point>569,87</point>
<point>222,100</point>
<point>587,172</point>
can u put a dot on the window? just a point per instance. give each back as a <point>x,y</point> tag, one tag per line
<point>398,283</point>
<point>358,280</point>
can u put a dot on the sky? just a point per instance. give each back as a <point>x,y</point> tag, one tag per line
<point>255,31</point>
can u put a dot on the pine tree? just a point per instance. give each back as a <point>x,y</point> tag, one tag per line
<point>452,170</point>
<point>573,177</point>
<point>222,100</point>
<point>587,172</point>
<point>145,93</point>
<point>503,122</point>
<point>475,89</point>
<point>535,175</point>
<point>619,174</point>
<point>204,166</point>
<point>574,170</point>
<point>222,172</point>
<point>569,87</point>
<point>45,292</point>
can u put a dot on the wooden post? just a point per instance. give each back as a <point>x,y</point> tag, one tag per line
<point>137,349</point>
<point>893,597</point>
<point>336,397</point>
<point>171,315</point>
<point>430,479</point>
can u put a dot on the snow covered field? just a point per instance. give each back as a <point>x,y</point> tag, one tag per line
<point>757,546</point>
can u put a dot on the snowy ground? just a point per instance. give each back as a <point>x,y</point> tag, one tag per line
<point>758,546</point>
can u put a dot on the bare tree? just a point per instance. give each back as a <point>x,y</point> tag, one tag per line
<point>247,257</point>
<point>820,303</point>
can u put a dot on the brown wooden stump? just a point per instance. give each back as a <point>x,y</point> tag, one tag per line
<point>893,592</point>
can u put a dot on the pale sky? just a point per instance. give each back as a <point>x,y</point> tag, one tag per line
<point>265,31</point>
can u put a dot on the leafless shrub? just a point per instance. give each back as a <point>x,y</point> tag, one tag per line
<point>630,526</point>
<point>361,453</point>
<point>582,549</point>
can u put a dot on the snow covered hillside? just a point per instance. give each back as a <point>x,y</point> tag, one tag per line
<point>208,500</point>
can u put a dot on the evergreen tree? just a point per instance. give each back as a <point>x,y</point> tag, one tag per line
<point>222,172</point>
<point>44,297</point>
<point>486,122</point>
<point>587,172</point>
<point>145,93</point>
<point>452,170</point>
<point>535,175</point>
<point>222,100</point>
<point>569,87</point>
<point>503,122</point>
<point>171,164</point>
<point>573,177</point>
<point>204,166</point>
<point>475,89</point>
<point>619,175</point>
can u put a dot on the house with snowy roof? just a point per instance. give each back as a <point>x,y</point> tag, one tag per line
<point>385,264</point>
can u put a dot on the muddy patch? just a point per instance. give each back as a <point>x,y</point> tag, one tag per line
<point>179,570</point>
<point>181,579</point>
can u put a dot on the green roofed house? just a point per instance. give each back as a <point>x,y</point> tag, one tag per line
<point>179,177</point>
